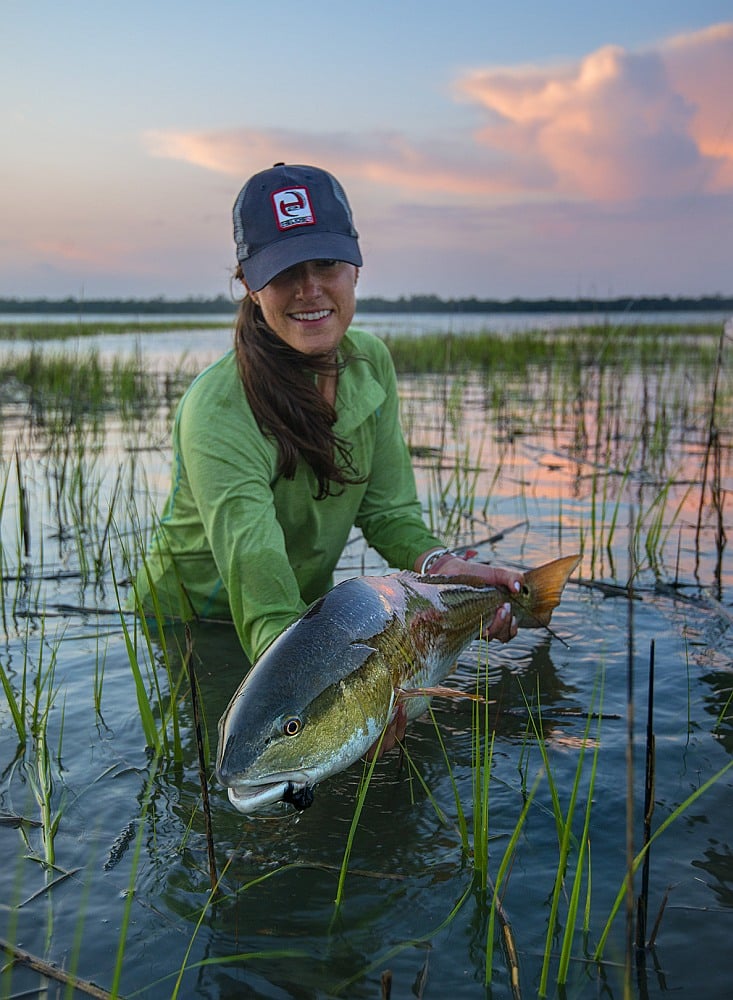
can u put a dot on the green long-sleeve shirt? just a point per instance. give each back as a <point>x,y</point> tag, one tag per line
<point>236,540</point>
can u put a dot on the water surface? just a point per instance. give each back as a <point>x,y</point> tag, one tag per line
<point>555,464</point>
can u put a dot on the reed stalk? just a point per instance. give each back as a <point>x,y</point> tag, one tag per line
<point>366,778</point>
<point>630,721</point>
<point>504,866</point>
<point>156,734</point>
<point>24,530</point>
<point>643,901</point>
<point>48,970</point>
<point>130,894</point>
<point>203,774</point>
<point>712,436</point>
<point>583,855</point>
<point>639,857</point>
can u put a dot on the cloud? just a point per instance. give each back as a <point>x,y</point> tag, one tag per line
<point>66,252</point>
<point>559,248</point>
<point>617,125</point>
<point>441,165</point>
<point>233,152</point>
<point>611,174</point>
<point>700,66</point>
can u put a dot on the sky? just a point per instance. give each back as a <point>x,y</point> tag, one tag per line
<point>527,150</point>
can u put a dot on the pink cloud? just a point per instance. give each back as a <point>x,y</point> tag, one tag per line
<point>617,125</point>
<point>64,251</point>
<point>700,66</point>
<point>384,158</point>
<point>614,126</point>
<point>233,152</point>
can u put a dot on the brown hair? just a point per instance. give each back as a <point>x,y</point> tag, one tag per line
<point>287,404</point>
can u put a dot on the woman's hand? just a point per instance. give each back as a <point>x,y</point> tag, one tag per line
<point>393,734</point>
<point>504,625</point>
<point>503,628</point>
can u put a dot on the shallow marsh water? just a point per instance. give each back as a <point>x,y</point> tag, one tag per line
<point>543,464</point>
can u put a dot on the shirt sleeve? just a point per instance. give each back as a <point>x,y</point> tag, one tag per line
<point>230,474</point>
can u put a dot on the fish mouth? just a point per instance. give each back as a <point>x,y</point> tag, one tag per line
<point>251,796</point>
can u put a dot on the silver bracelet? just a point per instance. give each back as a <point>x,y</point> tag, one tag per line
<point>432,557</point>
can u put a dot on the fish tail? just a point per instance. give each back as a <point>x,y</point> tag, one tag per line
<point>542,591</point>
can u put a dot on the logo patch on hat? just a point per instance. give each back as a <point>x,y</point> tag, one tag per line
<point>292,207</point>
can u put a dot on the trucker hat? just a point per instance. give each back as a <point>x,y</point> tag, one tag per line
<point>289,214</point>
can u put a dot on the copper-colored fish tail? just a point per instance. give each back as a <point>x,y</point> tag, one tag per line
<point>542,592</point>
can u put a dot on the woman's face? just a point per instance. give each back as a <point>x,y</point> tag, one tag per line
<point>310,305</point>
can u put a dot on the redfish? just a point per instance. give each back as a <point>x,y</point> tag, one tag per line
<point>320,696</point>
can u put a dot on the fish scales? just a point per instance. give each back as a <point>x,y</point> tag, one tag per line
<point>322,693</point>
<point>430,626</point>
<point>437,620</point>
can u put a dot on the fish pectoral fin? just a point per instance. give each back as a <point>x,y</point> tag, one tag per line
<point>439,691</point>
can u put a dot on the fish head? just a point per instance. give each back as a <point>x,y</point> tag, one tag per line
<point>314,702</point>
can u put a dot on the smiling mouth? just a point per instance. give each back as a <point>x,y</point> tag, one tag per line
<point>311,316</point>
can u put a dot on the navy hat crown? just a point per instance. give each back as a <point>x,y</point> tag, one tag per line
<point>288,214</point>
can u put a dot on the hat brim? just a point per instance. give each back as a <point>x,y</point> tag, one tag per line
<point>262,267</point>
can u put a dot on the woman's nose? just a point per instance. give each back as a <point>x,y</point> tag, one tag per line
<point>307,280</point>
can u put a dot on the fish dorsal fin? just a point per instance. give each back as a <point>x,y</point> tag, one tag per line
<point>467,579</point>
<point>440,691</point>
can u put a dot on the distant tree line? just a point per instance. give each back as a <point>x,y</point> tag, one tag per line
<point>158,305</point>
<point>434,304</point>
<point>404,304</point>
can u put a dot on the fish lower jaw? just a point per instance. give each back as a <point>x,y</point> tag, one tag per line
<point>249,797</point>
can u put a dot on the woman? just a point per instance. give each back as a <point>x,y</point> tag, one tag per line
<point>292,438</point>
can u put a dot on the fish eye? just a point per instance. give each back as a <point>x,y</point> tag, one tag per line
<point>292,726</point>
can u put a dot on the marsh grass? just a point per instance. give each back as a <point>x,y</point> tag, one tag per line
<point>61,388</point>
<point>612,421</point>
<point>158,705</point>
<point>353,826</point>
<point>578,348</point>
<point>572,883</point>
<point>41,331</point>
<point>476,837</point>
<point>58,497</point>
<point>39,769</point>
<point>568,842</point>
<point>37,765</point>
<point>31,709</point>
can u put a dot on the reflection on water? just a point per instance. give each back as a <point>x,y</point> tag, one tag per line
<point>615,464</point>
